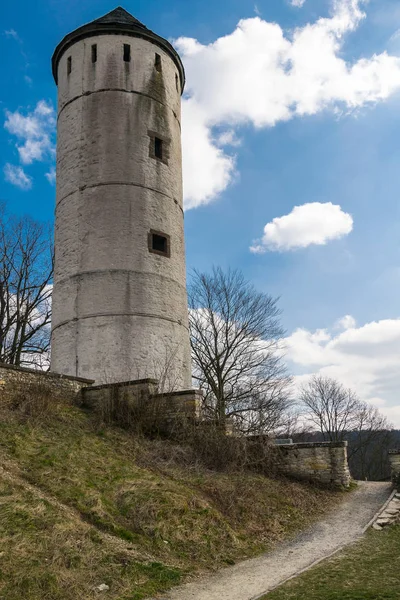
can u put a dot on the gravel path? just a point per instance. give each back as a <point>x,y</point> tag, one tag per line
<point>251,579</point>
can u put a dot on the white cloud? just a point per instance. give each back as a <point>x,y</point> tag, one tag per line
<point>312,223</point>
<point>35,130</point>
<point>297,3</point>
<point>365,358</point>
<point>228,138</point>
<point>261,74</point>
<point>210,169</point>
<point>16,175</point>
<point>346,322</point>
<point>51,176</point>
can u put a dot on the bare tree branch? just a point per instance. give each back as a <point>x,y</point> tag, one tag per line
<point>26,271</point>
<point>237,354</point>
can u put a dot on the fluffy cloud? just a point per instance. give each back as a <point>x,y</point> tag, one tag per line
<point>364,358</point>
<point>297,3</point>
<point>34,131</point>
<point>16,175</point>
<point>313,223</point>
<point>261,74</point>
<point>51,176</point>
<point>346,322</point>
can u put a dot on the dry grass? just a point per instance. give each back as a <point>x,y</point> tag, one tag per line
<point>154,496</point>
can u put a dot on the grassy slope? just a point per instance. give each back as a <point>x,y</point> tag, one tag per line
<point>165,519</point>
<point>369,570</point>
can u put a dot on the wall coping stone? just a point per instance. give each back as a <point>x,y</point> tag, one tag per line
<point>123,383</point>
<point>180,393</point>
<point>45,373</point>
<point>394,451</point>
<point>301,445</point>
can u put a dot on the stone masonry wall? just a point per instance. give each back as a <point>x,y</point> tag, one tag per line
<point>61,384</point>
<point>322,462</point>
<point>138,402</point>
<point>394,459</point>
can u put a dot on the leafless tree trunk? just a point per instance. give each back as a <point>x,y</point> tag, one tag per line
<point>237,353</point>
<point>26,270</point>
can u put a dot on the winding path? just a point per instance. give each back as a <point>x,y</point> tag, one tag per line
<point>253,578</point>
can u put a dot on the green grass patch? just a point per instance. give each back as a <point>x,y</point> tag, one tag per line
<point>368,570</point>
<point>174,517</point>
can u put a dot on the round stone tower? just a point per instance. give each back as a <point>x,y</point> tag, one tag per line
<point>120,303</point>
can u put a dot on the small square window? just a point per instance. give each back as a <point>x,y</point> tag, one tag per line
<point>158,147</point>
<point>159,243</point>
<point>127,53</point>
<point>157,62</point>
<point>69,65</point>
<point>94,53</point>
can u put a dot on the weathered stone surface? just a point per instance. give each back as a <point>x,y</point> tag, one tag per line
<point>119,311</point>
<point>325,462</point>
<point>60,384</point>
<point>138,402</point>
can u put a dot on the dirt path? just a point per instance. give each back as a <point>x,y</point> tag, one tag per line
<point>251,579</point>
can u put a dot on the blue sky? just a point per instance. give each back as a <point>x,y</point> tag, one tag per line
<point>297,106</point>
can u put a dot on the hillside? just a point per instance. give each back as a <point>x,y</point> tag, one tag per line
<point>83,505</point>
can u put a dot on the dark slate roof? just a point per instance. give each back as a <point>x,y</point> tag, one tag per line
<point>119,15</point>
<point>121,22</point>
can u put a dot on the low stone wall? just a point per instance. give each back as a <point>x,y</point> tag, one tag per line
<point>321,462</point>
<point>11,376</point>
<point>394,460</point>
<point>137,403</point>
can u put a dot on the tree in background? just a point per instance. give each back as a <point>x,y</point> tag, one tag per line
<point>339,415</point>
<point>330,407</point>
<point>26,271</point>
<point>237,354</point>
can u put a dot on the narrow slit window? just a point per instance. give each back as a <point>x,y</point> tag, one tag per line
<point>159,243</point>
<point>176,82</point>
<point>94,53</point>
<point>157,62</point>
<point>158,147</point>
<point>69,65</point>
<point>127,53</point>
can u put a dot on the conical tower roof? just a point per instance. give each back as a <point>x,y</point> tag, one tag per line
<point>117,21</point>
<point>119,15</point>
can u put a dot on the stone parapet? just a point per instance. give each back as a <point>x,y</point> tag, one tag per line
<point>137,403</point>
<point>394,460</point>
<point>321,462</point>
<point>11,376</point>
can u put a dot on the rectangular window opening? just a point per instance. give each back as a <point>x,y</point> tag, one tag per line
<point>157,62</point>
<point>159,243</point>
<point>176,82</point>
<point>94,53</point>
<point>127,53</point>
<point>158,148</point>
<point>69,65</point>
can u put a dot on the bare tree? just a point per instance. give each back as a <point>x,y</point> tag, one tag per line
<point>237,355</point>
<point>340,415</point>
<point>26,270</point>
<point>330,407</point>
